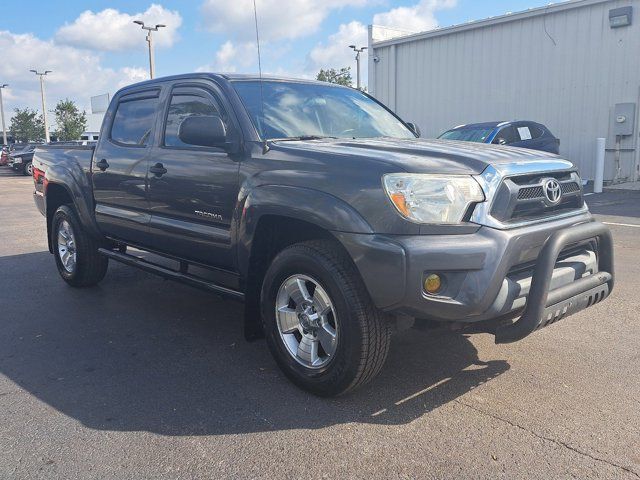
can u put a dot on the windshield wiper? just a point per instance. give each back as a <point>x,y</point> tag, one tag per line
<point>301,137</point>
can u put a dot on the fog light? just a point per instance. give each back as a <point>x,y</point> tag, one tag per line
<point>433,283</point>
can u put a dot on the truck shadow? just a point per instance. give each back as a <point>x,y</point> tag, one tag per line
<point>140,353</point>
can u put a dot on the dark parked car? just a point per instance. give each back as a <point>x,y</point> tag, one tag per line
<point>326,214</point>
<point>524,134</point>
<point>22,157</point>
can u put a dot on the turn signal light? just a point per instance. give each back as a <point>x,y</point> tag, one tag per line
<point>433,283</point>
<point>400,202</point>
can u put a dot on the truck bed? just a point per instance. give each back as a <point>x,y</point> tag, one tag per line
<point>68,162</point>
<point>66,156</point>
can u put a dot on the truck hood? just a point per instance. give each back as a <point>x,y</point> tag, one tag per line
<point>423,156</point>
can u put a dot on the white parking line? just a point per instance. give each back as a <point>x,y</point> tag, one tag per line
<point>622,224</point>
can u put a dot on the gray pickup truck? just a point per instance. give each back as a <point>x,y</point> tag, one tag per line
<point>326,214</point>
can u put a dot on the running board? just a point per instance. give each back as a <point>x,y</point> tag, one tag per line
<point>165,272</point>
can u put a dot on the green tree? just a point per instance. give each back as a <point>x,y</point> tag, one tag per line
<point>331,75</point>
<point>27,125</point>
<point>70,121</point>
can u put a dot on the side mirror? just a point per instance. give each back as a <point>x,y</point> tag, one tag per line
<point>203,131</point>
<point>414,128</point>
<point>501,141</point>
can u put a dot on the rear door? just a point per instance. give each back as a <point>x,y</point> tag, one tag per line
<point>120,167</point>
<point>193,189</point>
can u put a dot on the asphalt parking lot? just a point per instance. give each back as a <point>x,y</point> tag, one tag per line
<point>144,378</point>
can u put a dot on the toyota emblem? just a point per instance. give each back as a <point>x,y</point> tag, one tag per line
<point>552,190</point>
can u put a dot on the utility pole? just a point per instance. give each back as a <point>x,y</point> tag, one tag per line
<point>44,104</point>
<point>4,128</point>
<point>149,38</point>
<point>358,52</point>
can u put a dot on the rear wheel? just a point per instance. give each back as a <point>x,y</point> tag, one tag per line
<point>75,251</point>
<point>321,326</point>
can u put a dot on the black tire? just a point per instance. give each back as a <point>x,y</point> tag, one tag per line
<point>27,169</point>
<point>364,331</point>
<point>90,267</point>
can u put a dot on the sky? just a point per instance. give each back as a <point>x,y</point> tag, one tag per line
<point>92,47</point>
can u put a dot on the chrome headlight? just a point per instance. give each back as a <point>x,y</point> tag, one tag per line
<point>425,198</point>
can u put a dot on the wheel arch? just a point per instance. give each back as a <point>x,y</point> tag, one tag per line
<point>318,210</point>
<point>274,217</point>
<point>62,191</point>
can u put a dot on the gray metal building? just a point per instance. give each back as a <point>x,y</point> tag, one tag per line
<point>573,66</point>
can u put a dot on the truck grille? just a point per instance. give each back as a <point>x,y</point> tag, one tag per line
<point>527,193</point>
<point>522,198</point>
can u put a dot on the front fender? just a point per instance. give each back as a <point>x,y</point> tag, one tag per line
<point>321,209</point>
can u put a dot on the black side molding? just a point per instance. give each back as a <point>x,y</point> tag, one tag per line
<point>180,276</point>
<point>545,307</point>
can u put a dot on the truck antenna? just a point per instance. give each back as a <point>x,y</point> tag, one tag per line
<point>265,147</point>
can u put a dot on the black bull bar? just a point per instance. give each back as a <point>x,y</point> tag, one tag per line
<point>545,307</point>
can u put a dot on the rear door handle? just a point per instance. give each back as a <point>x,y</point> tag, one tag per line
<point>158,170</point>
<point>102,164</point>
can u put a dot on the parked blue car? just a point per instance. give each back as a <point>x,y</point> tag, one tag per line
<point>521,133</point>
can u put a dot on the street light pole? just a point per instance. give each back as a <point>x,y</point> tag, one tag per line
<point>44,103</point>
<point>4,128</point>
<point>358,52</point>
<point>149,39</point>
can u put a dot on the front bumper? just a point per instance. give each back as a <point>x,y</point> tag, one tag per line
<point>16,163</point>
<point>550,267</point>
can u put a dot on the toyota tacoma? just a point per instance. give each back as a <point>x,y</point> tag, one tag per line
<point>326,214</point>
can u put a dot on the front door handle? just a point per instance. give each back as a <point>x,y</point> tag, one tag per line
<point>102,164</point>
<point>158,170</point>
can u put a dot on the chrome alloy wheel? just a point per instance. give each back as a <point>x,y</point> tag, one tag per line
<point>66,246</point>
<point>306,321</point>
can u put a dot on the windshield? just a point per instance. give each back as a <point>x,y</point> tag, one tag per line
<point>469,134</point>
<point>294,110</point>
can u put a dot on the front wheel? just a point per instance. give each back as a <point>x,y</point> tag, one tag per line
<point>76,252</point>
<point>27,170</point>
<point>321,325</point>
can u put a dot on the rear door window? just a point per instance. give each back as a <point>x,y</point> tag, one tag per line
<point>524,132</point>
<point>536,131</point>
<point>133,121</point>
<point>509,135</point>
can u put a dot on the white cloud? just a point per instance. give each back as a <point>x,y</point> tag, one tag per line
<point>77,74</point>
<point>231,57</point>
<point>112,30</point>
<point>417,18</point>
<point>128,75</point>
<point>335,53</point>
<point>277,19</point>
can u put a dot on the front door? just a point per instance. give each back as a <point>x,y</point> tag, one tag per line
<point>193,189</point>
<point>120,168</point>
